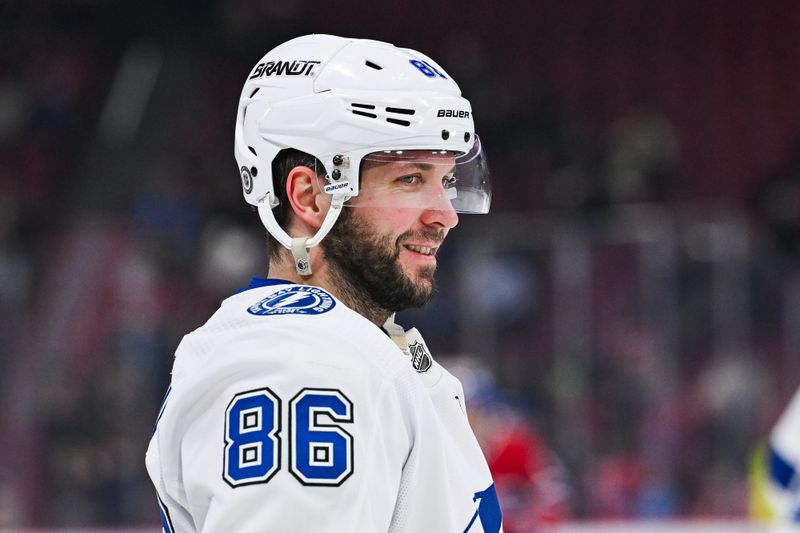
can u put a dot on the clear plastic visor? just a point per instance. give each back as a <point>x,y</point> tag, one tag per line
<point>418,179</point>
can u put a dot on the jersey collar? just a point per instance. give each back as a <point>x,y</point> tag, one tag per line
<point>264,282</point>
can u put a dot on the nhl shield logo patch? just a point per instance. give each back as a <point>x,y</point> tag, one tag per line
<point>297,300</point>
<point>420,358</point>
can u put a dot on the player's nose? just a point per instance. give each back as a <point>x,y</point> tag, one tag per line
<point>440,212</point>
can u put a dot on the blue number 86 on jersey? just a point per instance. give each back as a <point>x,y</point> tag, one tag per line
<point>320,453</point>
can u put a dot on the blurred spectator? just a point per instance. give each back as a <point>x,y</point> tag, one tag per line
<point>776,201</point>
<point>531,483</point>
<point>642,159</point>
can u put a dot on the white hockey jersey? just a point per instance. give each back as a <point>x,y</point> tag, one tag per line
<point>290,412</point>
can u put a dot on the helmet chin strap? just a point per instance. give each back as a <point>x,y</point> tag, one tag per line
<point>300,246</point>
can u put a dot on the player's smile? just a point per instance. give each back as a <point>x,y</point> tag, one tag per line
<point>418,249</point>
<point>424,253</point>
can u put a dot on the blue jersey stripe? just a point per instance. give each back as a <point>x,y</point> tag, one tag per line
<point>161,409</point>
<point>166,520</point>
<point>263,282</point>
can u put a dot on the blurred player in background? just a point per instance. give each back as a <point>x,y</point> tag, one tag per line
<point>530,478</point>
<point>300,405</point>
<point>775,481</point>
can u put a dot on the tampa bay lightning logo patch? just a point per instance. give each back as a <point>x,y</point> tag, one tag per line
<point>296,300</point>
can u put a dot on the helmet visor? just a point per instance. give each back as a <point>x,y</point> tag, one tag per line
<point>418,179</point>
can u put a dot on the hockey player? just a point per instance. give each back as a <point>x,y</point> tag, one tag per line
<point>774,479</point>
<point>300,405</point>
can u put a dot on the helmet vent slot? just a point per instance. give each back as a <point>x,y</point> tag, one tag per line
<point>252,150</point>
<point>398,121</point>
<point>252,94</point>
<point>364,113</point>
<point>370,64</point>
<point>400,110</point>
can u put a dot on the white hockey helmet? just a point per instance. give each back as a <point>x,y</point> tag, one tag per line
<point>346,101</point>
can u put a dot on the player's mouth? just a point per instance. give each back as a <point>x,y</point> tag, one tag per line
<point>424,250</point>
<point>425,253</point>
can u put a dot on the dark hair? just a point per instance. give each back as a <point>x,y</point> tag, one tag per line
<point>284,162</point>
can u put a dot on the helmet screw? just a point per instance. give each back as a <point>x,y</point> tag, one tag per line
<point>445,134</point>
<point>337,160</point>
<point>466,137</point>
<point>254,171</point>
<point>336,174</point>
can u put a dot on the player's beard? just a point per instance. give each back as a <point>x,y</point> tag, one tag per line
<point>365,267</point>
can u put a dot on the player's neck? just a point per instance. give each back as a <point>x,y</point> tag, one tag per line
<point>331,280</point>
<point>357,300</point>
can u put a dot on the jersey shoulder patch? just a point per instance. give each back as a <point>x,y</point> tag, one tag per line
<point>294,300</point>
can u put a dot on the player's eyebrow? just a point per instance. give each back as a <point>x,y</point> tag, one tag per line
<point>425,166</point>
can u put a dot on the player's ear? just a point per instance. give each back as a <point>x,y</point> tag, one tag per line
<point>305,195</point>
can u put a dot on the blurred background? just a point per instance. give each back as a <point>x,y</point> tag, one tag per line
<point>626,321</point>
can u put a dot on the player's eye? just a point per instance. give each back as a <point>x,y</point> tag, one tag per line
<point>448,182</point>
<point>410,179</point>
